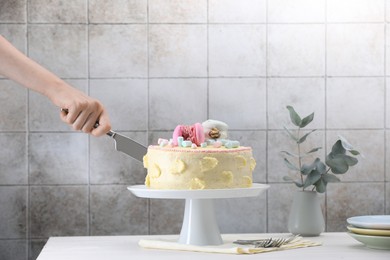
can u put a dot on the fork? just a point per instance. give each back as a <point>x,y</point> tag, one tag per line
<point>268,242</point>
<point>277,242</point>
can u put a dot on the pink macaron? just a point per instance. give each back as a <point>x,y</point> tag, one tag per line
<point>193,133</point>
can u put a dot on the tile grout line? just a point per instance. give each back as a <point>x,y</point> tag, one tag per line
<point>385,107</point>
<point>89,137</point>
<point>28,203</point>
<point>193,23</point>
<point>208,59</point>
<point>325,101</point>
<point>148,101</point>
<point>267,118</point>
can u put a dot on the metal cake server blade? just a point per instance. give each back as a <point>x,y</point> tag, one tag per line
<point>128,146</point>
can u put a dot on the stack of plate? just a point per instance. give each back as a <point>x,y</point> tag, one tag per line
<point>373,231</point>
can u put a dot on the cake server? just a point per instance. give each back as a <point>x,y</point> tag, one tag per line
<point>124,144</point>
<point>128,146</point>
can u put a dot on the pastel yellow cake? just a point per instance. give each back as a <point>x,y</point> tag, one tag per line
<point>207,167</point>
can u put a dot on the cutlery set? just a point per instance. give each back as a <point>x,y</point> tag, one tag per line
<point>267,242</point>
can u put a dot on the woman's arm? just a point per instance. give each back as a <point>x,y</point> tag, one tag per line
<point>83,111</point>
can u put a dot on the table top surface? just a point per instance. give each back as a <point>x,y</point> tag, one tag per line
<point>338,245</point>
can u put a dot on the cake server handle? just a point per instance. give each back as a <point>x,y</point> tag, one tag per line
<point>109,133</point>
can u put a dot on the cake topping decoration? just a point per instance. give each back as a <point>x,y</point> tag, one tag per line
<point>228,176</point>
<point>241,161</point>
<point>193,133</point>
<point>215,129</point>
<point>217,144</point>
<point>214,133</point>
<point>247,180</point>
<point>252,164</point>
<point>155,171</point>
<point>209,133</point>
<point>177,167</point>
<point>163,142</point>
<point>208,163</point>
<point>197,184</point>
<point>232,144</point>
<point>186,143</point>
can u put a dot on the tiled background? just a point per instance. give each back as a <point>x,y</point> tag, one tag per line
<point>158,63</point>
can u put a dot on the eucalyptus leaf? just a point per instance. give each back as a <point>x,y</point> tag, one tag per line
<point>289,154</point>
<point>338,148</point>
<point>314,150</point>
<point>312,178</point>
<point>347,146</point>
<point>295,118</point>
<point>289,179</point>
<point>354,152</point>
<point>327,177</point>
<point>290,165</point>
<point>303,138</point>
<point>320,166</point>
<point>307,169</point>
<point>320,186</point>
<point>307,120</point>
<point>317,166</point>
<point>351,161</point>
<point>338,165</point>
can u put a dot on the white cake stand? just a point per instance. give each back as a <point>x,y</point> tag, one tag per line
<point>200,225</point>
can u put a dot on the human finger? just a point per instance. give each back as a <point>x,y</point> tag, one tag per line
<point>103,125</point>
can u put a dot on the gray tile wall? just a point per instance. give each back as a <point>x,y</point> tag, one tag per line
<point>159,63</point>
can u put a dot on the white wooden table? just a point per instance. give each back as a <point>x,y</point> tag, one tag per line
<point>334,246</point>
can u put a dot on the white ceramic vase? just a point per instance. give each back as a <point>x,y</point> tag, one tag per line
<point>306,218</point>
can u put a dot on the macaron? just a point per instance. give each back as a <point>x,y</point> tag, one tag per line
<point>193,133</point>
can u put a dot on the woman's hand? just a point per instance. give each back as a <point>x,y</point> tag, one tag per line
<point>82,112</point>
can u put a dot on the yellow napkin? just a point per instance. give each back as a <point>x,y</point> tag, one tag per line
<point>226,248</point>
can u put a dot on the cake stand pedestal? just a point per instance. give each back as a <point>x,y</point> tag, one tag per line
<point>200,225</point>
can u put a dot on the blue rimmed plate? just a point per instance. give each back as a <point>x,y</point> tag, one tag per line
<point>371,222</point>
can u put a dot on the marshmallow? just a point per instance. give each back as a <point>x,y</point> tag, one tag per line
<point>217,144</point>
<point>232,144</point>
<point>180,140</point>
<point>186,144</point>
<point>163,142</point>
<point>160,140</point>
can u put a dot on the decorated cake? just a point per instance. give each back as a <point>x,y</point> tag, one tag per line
<point>199,156</point>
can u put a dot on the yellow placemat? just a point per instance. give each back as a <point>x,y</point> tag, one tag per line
<point>227,248</point>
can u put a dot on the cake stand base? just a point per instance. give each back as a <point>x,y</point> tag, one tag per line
<point>200,226</point>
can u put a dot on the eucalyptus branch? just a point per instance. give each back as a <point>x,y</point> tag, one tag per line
<point>317,174</point>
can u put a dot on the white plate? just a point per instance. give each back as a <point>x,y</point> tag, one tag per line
<point>374,221</point>
<point>376,242</point>
<point>145,192</point>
